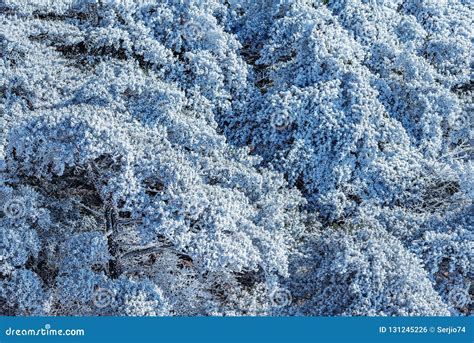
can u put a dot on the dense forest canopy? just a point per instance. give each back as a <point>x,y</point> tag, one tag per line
<point>236,157</point>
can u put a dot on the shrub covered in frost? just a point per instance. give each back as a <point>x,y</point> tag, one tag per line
<point>356,270</point>
<point>211,157</point>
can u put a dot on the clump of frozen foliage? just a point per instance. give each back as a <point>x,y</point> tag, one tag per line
<point>356,270</point>
<point>235,157</point>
